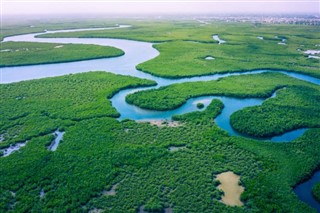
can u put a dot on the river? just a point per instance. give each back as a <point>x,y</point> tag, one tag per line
<point>137,52</point>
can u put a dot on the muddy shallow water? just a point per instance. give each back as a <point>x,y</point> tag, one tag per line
<point>231,188</point>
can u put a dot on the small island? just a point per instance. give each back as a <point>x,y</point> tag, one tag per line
<point>200,105</point>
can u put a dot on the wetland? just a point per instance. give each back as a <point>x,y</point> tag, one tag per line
<point>160,168</point>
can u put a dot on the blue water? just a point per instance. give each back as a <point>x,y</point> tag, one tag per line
<point>304,191</point>
<point>137,52</point>
<point>55,143</point>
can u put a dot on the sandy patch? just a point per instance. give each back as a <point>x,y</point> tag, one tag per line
<point>12,148</point>
<point>126,130</point>
<point>42,193</point>
<point>59,46</point>
<point>176,148</point>
<point>95,211</point>
<point>6,50</point>
<point>112,191</point>
<point>55,143</point>
<point>216,38</point>
<point>162,123</point>
<point>231,188</point>
<point>312,52</point>
<point>2,137</point>
<point>209,58</point>
<point>168,210</point>
<point>313,56</point>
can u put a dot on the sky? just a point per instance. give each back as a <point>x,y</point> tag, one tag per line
<point>155,7</point>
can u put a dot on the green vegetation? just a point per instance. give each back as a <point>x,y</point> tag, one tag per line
<point>27,53</point>
<point>134,155</point>
<point>189,42</point>
<point>98,151</point>
<point>148,30</point>
<point>200,105</point>
<point>243,86</point>
<point>183,59</point>
<point>12,27</point>
<point>316,191</point>
<point>287,158</point>
<point>212,111</point>
<point>38,107</point>
<point>293,107</point>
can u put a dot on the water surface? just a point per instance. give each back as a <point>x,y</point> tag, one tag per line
<point>216,38</point>
<point>304,191</point>
<point>137,52</point>
<point>55,143</point>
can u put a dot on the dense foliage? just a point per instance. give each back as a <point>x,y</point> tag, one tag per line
<point>182,59</point>
<point>316,191</point>
<point>27,53</point>
<point>98,152</point>
<point>244,86</point>
<point>38,107</point>
<point>293,107</point>
<point>211,111</point>
<point>200,105</point>
<point>189,42</point>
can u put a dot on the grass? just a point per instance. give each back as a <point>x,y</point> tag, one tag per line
<point>30,53</point>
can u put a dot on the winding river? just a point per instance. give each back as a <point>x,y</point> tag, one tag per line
<point>137,52</point>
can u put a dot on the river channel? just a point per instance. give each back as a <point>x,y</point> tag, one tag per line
<point>137,52</point>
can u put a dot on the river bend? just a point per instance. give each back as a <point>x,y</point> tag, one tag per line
<point>137,52</point>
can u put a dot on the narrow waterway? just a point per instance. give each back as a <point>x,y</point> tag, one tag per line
<point>55,143</point>
<point>304,191</point>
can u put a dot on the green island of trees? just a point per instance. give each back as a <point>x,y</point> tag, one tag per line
<point>211,111</point>
<point>200,105</point>
<point>243,86</point>
<point>28,53</point>
<point>293,107</point>
<point>316,192</point>
<point>186,44</point>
